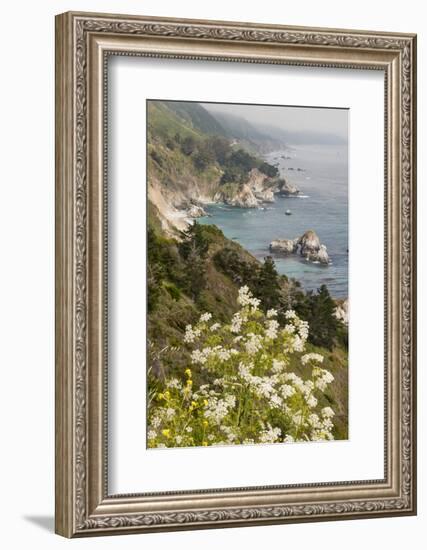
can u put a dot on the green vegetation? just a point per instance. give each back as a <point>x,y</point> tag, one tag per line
<point>199,271</point>
<point>244,391</point>
<point>179,132</point>
<point>202,272</point>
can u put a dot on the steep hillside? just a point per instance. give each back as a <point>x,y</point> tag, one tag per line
<point>197,117</point>
<point>192,161</point>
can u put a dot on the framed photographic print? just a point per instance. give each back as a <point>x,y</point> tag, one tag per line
<point>235,274</point>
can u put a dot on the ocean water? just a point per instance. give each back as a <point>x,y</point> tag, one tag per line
<point>322,206</point>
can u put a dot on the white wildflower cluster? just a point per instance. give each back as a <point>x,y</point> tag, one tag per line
<point>216,352</point>
<point>217,409</point>
<point>205,317</point>
<point>253,343</point>
<point>271,313</point>
<point>236,322</point>
<point>173,383</point>
<point>322,378</point>
<point>278,366</point>
<point>270,435</point>
<point>191,334</point>
<point>246,298</point>
<point>272,327</point>
<point>316,357</point>
<point>242,390</point>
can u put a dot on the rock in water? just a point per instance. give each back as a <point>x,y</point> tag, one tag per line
<point>284,246</point>
<point>286,188</point>
<point>308,246</point>
<point>196,211</point>
<point>309,243</point>
<point>322,255</point>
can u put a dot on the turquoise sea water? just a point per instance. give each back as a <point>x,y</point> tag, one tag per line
<point>322,206</point>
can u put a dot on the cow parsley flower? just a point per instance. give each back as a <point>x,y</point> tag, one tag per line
<point>244,296</point>
<point>270,435</point>
<point>311,357</point>
<point>311,401</point>
<point>205,317</point>
<point>253,343</point>
<point>290,314</point>
<point>287,390</point>
<point>327,412</point>
<point>278,366</point>
<point>191,334</point>
<point>272,327</point>
<point>151,434</point>
<point>236,323</point>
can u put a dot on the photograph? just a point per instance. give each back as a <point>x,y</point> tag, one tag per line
<point>235,271</point>
<point>247,274</point>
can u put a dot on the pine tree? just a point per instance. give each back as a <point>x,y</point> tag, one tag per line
<point>319,310</point>
<point>267,284</point>
<point>193,249</point>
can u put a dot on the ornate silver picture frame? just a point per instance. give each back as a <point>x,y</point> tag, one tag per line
<point>84,43</point>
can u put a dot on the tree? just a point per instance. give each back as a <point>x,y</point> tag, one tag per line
<point>243,160</point>
<point>319,310</point>
<point>268,169</point>
<point>220,147</point>
<point>203,156</point>
<point>193,249</point>
<point>267,287</point>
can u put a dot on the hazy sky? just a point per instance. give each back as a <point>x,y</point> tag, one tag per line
<point>301,120</point>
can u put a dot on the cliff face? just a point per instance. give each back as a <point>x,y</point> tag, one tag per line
<point>188,168</point>
<point>257,190</point>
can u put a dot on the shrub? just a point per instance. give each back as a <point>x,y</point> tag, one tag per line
<point>247,394</point>
<point>268,169</point>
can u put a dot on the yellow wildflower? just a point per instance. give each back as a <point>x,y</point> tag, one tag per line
<point>188,372</point>
<point>166,432</point>
<point>204,443</point>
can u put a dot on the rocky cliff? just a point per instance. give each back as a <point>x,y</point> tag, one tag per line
<point>189,166</point>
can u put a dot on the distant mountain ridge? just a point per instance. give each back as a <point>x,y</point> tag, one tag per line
<point>249,136</point>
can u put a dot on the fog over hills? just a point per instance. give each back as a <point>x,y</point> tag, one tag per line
<point>285,125</point>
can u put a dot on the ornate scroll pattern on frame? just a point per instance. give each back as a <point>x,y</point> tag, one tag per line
<point>211,31</point>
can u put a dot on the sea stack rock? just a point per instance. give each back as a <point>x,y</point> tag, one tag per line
<point>285,188</point>
<point>196,211</point>
<point>312,249</point>
<point>308,246</point>
<point>284,246</point>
